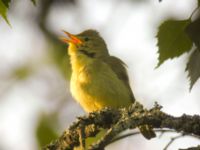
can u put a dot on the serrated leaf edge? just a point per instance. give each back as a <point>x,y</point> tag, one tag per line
<point>161,62</point>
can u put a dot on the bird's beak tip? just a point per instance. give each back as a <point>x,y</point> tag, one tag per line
<point>72,38</point>
<point>64,40</point>
<point>67,33</point>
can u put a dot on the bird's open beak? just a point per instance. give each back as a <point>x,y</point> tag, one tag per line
<point>71,38</point>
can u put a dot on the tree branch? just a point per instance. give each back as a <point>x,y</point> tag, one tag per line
<point>118,120</point>
<point>192,148</point>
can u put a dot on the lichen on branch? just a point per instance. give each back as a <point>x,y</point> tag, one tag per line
<point>117,121</point>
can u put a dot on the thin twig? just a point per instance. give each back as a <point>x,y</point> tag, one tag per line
<point>192,148</point>
<point>138,132</point>
<point>194,11</point>
<point>172,140</point>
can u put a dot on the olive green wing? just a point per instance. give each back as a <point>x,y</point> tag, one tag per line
<point>118,66</point>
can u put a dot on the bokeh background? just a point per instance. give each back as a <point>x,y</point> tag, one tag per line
<point>35,102</point>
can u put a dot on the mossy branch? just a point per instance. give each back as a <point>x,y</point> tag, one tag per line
<point>118,120</point>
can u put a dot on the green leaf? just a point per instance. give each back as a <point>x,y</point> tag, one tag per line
<point>45,131</point>
<point>60,58</point>
<point>193,31</point>
<point>6,3</point>
<point>3,11</point>
<point>34,2</point>
<point>23,72</point>
<point>172,39</point>
<point>193,67</point>
<point>90,140</point>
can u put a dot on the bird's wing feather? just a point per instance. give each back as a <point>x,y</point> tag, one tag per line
<point>118,66</point>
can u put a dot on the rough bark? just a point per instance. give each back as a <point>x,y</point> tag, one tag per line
<point>118,120</point>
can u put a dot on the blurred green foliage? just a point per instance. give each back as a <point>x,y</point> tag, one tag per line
<point>34,2</point>
<point>6,2</point>
<point>23,72</point>
<point>59,56</point>
<point>4,6</point>
<point>90,140</point>
<point>45,131</point>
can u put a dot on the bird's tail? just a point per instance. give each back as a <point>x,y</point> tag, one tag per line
<point>147,131</point>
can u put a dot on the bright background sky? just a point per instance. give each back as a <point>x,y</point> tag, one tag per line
<point>129,30</point>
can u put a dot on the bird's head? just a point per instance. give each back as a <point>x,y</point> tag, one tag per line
<point>88,43</point>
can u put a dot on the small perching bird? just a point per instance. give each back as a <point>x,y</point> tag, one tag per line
<point>98,79</point>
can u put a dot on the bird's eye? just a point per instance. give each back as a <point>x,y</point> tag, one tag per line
<point>86,39</point>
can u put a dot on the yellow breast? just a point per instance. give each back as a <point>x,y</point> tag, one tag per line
<point>96,86</point>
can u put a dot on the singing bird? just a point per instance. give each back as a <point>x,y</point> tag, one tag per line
<point>98,79</point>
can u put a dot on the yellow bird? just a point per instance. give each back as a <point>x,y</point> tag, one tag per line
<point>98,79</point>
